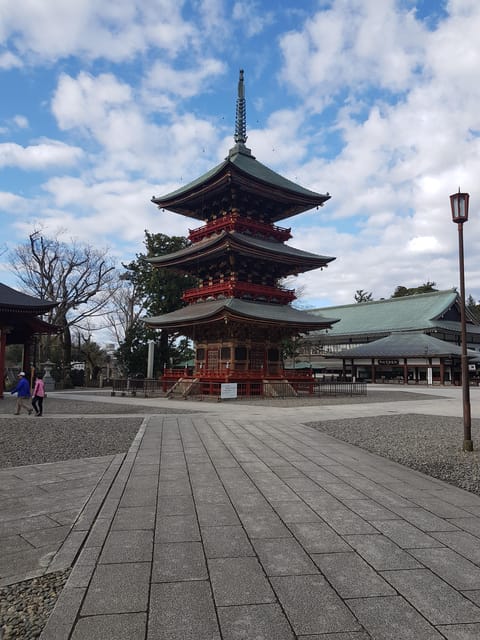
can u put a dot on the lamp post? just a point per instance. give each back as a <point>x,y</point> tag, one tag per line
<point>459,205</point>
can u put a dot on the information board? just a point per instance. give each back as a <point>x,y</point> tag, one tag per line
<point>228,390</point>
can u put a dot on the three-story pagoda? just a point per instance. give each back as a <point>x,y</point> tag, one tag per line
<point>239,314</point>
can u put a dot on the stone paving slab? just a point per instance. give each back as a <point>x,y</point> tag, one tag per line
<point>226,528</point>
<point>42,542</point>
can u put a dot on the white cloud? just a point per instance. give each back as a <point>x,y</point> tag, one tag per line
<point>115,31</point>
<point>11,202</point>
<point>21,121</point>
<point>183,83</point>
<point>39,156</point>
<point>9,60</point>
<point>340,47</point>
<point>253,17</point>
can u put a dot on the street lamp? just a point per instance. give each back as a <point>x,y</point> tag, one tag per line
<point>459,205</point>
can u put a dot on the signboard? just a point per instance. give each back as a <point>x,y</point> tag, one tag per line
<point>388,361</point>
<point>228,390</point>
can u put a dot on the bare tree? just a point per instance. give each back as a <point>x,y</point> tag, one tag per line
<point>124,309</point>
<point>80,278</point>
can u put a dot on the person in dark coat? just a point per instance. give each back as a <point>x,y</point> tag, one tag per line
<point>22,389</point>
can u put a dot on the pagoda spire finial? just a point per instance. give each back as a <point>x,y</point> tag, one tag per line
<point>240,136</point>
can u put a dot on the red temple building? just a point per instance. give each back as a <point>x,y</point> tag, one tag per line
<point>239,315</point>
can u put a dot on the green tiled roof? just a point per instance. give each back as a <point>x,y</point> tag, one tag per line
<point>241,309</point>
<point>249,165</point>
<point>240,168</point>
<point>273,250</point>
<point>409,313</point>
<point>405,345</point>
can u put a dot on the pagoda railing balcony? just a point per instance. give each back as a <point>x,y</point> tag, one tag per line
<point>251,374</point>
<point>235,222</point>
<point>246,290</point>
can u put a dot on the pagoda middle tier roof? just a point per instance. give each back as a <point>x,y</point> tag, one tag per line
<point>242,171</point>
<point>240,310</point>
<point>233,241</point>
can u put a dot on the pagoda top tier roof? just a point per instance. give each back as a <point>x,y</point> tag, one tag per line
<point>241,172</point>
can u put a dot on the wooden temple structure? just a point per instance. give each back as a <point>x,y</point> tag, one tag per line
<point>20,324</point>
<point>239,315</point>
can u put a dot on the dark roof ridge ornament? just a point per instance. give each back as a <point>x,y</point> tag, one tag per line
<point>240,135</point>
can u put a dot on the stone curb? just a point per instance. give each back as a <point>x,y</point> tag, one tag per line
<point>87,537</point>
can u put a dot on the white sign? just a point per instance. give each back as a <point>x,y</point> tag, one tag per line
<point>228,390</point>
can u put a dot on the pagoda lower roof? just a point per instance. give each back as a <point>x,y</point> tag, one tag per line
<point>219,244</point>
<point>241,311</point>
<point>241,169</point>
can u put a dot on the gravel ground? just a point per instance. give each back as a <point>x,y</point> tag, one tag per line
<point>58,405</point>
<point>431,444</point>
<point>371,396</point>
<point>26,439</point>
<point>25,606</point>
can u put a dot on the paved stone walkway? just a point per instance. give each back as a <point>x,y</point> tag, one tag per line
<point>39,505</point>
<point>246,525</point>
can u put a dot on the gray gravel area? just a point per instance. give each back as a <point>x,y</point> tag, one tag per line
<point>431,444</point>
<point>30,440</point>
<point>323,400</point>
<point>25,606</point>
<point>26,439</point>
<point>58,405</point>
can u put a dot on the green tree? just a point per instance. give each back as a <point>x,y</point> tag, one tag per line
<point>473,307</point>
<point>363,296</point>
<point>158,291</point>
<point>426,287</point>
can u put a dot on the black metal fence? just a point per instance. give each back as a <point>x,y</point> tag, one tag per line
<point>341,388</point>
<point>253,389</point>
<point>133,386</point>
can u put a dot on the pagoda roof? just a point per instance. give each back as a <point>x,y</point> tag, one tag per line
<point>13,301</point>
<point>19,312</point>
<point>245,245</point>
<point>422,312</point>
<point>242,310</point>
<point>241,169</point>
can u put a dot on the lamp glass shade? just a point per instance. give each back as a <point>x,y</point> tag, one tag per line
<point>459,204</point>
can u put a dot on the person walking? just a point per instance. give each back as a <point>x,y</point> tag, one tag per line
<point>22,389</point>
<point>38,395</point>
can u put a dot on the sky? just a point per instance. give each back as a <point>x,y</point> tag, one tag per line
<point>377,102</point>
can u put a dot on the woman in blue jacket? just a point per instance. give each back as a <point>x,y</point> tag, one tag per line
<point>22,389</point>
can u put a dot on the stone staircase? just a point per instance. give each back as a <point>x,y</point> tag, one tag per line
<point>183,388</point>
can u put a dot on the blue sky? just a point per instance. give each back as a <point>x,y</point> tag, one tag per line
<point>104,104</point>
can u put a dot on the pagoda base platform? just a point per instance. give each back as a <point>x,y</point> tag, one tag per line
<point>240,384</point>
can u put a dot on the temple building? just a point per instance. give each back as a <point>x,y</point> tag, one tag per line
<point>412,339</point>
<point>20,324</point>
<point>240,315</point>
